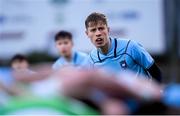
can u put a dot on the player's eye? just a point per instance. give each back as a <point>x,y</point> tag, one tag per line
<point>101,28</point>
<point>93,30</point>
<point>65,42</point>
<point>59,43</point>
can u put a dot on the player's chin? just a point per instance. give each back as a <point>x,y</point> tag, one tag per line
<point>98,46</point>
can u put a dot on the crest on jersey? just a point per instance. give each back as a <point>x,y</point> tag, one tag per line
<point>123,64</point>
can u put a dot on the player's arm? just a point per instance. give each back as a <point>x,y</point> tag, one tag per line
<point>40,72</point>
<point>143,58</point>
<point>12,90</point>
<point>86,81</point>
<point>155,72</point>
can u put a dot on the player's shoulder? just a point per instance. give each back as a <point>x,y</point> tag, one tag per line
<point>135,44</point>
<point>81,54</point>
<point>122,42</point>
<point>57,63</point>
<point>93,55</point>
<point>126,42</point>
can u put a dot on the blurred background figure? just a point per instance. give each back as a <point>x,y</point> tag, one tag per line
<point>68,56</point>
<point>8,88</point>
<point>19,62</point>
<point>8,84</point>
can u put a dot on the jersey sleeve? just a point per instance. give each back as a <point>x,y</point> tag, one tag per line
<point>140,55</point>
<point>87,63</point>
<point>82,59</point>
<point>56,65</point>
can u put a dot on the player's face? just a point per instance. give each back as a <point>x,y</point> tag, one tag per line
<point>98,33</point>
<point>64,47</point>
<point>20,65</point>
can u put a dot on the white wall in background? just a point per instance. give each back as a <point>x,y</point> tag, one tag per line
<point>28,25</point>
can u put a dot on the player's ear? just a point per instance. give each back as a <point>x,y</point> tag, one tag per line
<point>86,32</point>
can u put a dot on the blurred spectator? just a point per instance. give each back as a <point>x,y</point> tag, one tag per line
<point>68,56</point>
<point>19,62</point>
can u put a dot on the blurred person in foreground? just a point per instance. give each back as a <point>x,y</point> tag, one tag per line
<point>115,94</point>
<point>68,56</point>
<point>117,53</point>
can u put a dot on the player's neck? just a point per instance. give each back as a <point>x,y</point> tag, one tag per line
<point>68,58</point>
<point>105,49</point>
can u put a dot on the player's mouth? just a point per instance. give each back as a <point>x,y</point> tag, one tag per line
<point>64,51</point>
<point>99,40</point>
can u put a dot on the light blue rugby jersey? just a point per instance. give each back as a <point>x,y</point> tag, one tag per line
<point>124,54</point>
<point>77,60</point>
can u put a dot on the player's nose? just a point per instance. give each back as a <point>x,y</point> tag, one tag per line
<point>98,33</point>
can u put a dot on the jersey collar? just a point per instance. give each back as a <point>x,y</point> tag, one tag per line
<point>111,52</point>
